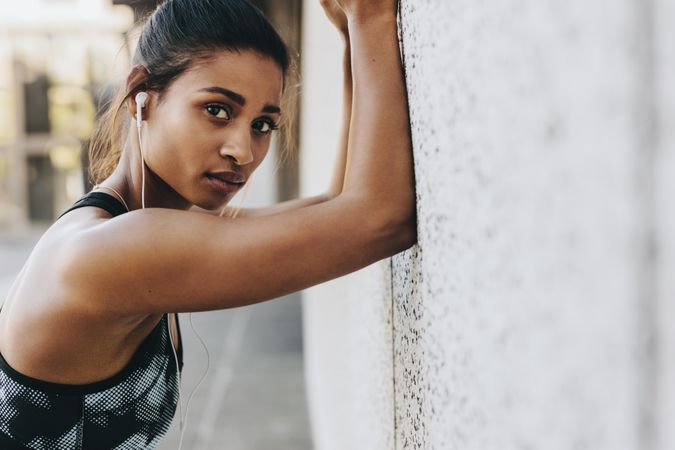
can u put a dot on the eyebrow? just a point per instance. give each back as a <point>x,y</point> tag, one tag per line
<point>238,98</point>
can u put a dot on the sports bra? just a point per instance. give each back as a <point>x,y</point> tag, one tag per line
<point>131,410</point>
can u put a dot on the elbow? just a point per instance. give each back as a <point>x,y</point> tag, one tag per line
<point>405,234</point>
<point>389,228</point>
<point>397,233</point>
<point>409,233</point>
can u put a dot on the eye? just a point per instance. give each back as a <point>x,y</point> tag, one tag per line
<point>218,111</point>
<point>265,126</point>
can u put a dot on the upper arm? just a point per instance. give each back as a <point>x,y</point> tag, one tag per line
<point>162,260</point>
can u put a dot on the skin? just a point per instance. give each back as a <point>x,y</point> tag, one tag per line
<point>92,279</point>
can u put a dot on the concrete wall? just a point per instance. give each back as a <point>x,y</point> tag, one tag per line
<point>535,313</point>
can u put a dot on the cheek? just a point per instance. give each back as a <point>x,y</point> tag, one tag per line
<point>163,157</point>
<point>175,140</point>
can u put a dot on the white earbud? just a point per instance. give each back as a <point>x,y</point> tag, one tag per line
<point>141,98</point>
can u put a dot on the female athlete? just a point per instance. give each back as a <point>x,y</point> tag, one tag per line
<point>90,354</point>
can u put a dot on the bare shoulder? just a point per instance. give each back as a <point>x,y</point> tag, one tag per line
<point>40,285</point>
<point>60,318</point>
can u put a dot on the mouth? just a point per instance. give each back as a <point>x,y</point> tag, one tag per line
<point>226,182</point>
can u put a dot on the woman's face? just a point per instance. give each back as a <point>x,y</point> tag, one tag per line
<point>218,116</point>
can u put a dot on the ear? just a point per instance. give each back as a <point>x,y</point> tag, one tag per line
<point>136,82</point>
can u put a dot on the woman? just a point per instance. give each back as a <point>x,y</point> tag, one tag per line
<point>151,240</point>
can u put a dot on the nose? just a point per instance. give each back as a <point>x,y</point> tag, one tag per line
<point>238,147</point>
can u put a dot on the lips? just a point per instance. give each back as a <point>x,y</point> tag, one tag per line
<point>228,177</point>
<point>226,182</point>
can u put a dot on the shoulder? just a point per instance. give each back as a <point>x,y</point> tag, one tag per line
<point>41,300</point>
<point>52,251</point>
<point>43,286</point>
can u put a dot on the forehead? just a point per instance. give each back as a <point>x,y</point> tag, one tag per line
<point>258,78</point>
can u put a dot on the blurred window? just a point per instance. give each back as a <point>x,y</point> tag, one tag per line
<point>36,105</point>
<point>40,188</point>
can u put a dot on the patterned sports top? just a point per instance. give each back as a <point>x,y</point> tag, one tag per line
<point>131,410</point>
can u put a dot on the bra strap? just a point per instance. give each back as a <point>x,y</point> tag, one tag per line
<point>100,200</point>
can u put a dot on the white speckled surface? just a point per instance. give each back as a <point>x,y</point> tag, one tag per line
<point>516,322</point>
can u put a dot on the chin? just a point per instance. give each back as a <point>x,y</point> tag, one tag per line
<point>211,205</point>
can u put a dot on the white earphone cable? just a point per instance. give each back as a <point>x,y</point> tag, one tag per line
<point>140,146</point>
<point>201,380</point>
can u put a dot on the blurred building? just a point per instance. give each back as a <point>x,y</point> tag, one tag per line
<point>55,59</point>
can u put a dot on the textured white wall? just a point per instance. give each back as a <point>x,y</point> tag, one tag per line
<point>518,321</point>
<point>535,312</point>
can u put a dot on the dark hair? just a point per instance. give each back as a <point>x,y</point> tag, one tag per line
<point>176,36</point>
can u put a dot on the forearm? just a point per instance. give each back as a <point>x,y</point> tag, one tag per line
<point>337,181</point>
<point>380,165</point>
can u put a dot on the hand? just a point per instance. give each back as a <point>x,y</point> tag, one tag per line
<point>365,9</point>
<point>335,14</point>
